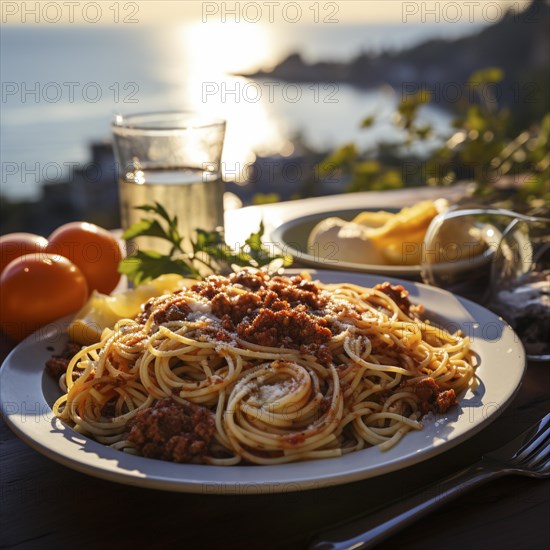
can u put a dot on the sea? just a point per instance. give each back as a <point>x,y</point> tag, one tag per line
<point>63,85</point>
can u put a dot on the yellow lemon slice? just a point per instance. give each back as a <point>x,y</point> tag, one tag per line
<point>103,311</point>
<point>127,303</point>
<point>408,220</point>
<point>92,319</point>
<point>405,249</point>
<point>373,219</point>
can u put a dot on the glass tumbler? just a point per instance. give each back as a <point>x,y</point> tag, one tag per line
<point>497,258</point>
<point>520,283</point>
<point>174,159</point>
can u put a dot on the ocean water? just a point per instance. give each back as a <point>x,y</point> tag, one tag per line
<point>62,86</point>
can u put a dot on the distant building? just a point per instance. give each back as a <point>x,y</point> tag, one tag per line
<point>93,189</point>
<point>87,193</point>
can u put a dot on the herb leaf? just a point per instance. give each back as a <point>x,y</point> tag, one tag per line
<point>259,254</point>
<point>149,228</point>
<point>148,264</point>
<point>209,250</point>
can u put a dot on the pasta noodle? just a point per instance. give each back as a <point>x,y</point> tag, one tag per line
<point>264,370</point>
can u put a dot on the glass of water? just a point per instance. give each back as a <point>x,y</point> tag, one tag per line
<point>500,259</point>
<point>520,283</point>
<point>173,158</point>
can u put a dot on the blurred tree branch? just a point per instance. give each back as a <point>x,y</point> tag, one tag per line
<point>483,147</point>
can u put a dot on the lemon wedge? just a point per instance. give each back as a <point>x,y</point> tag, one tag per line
<point>128,302</point>
<point>92,319</point>
<point>373,219</point>
<point>403,250</point>
<point>408,220</point>
<point>102,311</point>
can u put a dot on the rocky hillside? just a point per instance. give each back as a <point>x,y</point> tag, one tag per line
<point>519,44</point>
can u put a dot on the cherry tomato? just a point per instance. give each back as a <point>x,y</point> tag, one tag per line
<point>14,245</point>
<point>93,249</point>
<point>35,291</point>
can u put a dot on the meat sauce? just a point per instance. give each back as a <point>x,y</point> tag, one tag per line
<point>274,312</point>
<point>398,294</point>
<point>57,365</point>
<point>178,432</point>
<point>432,397</point>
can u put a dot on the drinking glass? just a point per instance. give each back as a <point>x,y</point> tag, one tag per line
<point>497,258</point>
<point>520,283</point>
<point>173,158</point>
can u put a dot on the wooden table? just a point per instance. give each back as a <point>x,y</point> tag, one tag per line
<point>45,505</point>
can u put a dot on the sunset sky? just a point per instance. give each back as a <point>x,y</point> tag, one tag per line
<point>276,12</point>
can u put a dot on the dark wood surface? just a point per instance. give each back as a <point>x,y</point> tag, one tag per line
<point>46,505</point>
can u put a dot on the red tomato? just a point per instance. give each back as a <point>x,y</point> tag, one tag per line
<point>93,249</point>
<point>35,291</point>
<point>14,245</point>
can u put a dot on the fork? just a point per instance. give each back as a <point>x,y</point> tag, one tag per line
<point>527,454</point>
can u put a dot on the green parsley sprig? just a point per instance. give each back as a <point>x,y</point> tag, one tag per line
<point>210,253</point>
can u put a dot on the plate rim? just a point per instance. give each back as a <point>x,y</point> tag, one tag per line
<point>51,437</point>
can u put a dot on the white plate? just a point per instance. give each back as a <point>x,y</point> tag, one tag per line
<point>27,392</point>
<point>291,237</point>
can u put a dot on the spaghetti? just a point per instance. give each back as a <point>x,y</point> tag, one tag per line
<point>264,370</point>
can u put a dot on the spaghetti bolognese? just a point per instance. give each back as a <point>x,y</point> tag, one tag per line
<point>264,370</point>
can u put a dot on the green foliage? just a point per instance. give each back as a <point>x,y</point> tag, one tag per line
<point>483,147</point>
<point>265,198</point>
<point>407,111</point>
<point>367,122</point>
<point>145,265</point>
<point>209,251</point>
<point>365,171</point>
<point>343,158</point>
<point>480,138</point>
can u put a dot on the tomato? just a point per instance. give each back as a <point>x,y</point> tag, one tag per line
<point>35,291</point>
<point>14,245</point>
<point>93,249</point>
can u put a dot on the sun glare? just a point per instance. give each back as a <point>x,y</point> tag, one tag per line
<point>228,47</point>
<point>212,56</point>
